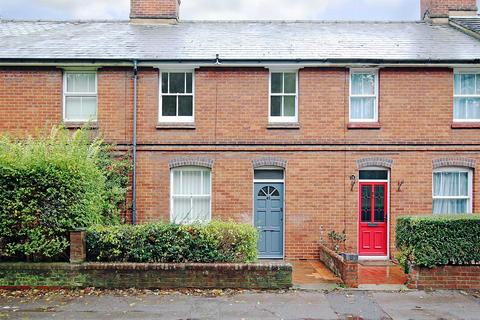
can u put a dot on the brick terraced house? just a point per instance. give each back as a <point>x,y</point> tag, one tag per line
<point>298,127</point>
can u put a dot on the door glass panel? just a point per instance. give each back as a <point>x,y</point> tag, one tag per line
<point>379,211</point>
<point>366,203</point>
<point>373,175</point>
<point>268,174</point>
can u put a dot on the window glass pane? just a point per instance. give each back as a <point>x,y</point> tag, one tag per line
<point>289,106</point>
<point>457,83</point>
<point>177,182</point>
<point>379,210</point>
<point>191,182</point>
<point>450,206</point>
<point>373,175</point>
<point>73,108</point>
<point>181,210</point>
<point>200,209</point>
<point>89,108</point>
<point>366,203</point>
<point>189,80</point>
<point>277,82</point>
<point>169,106</point>
<point>206,182</point>
<point>473,108</point>
<point>276,108</point>
<point>447,184</point>
<point>185,106</point>
<point>177,82</point>
<point>290,82</point>
<point>460,109</point>
<point>268,174</point>
<point>363,83</point>
<point>164,82</point>
<point>478,83</point>
<point>81,82</point>
<point>467,84</point>
<point>463,183</point>
<point>362,109</point>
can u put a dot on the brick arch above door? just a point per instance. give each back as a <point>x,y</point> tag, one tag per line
<point>374,162</point>
<point>269,162</point>
<point>454,162</point>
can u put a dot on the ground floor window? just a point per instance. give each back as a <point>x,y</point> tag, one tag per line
<point>190,195</point>
<point>452,191</point>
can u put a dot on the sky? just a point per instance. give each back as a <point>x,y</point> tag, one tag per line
<point>219,9</point>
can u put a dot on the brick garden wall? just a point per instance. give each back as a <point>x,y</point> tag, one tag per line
<point>231,129</point>
<point>444,277</point>
<point>146,276</point>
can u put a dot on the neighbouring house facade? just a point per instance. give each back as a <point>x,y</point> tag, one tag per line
<point>300,128</point>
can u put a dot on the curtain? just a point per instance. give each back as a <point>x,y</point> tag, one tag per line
<point>191,196</point>
<point>362,102</point>
<point>362,108</point>
<point>450,184</point>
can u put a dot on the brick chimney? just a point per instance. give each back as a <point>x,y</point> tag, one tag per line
<point>154,11</point>
<point>439,11</point>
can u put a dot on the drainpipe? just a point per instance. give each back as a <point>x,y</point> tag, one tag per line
<point>134,143</point>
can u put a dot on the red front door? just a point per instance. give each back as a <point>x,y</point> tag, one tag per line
<point>373,218</point>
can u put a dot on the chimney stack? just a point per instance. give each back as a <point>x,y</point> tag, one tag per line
<point>154,11</point>
<point>438,11</point>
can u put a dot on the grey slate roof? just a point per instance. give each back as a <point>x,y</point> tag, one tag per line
<point>471,23</point>
<point>247,40</point>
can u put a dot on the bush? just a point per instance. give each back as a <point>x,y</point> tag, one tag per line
<point>430,241</point>
<point>214,242</point>
<point>51,185</point>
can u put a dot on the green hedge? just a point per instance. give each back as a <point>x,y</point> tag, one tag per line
<point>430,241</point>
<point>52,184</point>
<point>214,242</point>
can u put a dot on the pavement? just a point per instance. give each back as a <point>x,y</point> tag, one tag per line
<point>292,304</point>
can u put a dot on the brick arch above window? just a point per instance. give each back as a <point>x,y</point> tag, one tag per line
<point>374,162</point>
<point>454,162</point>
<point>269,162</point>
<point>191,161</point>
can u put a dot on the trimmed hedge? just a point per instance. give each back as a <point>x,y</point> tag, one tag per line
<point>213,242</point>
<point>52,184</point>
<point>430,241</point>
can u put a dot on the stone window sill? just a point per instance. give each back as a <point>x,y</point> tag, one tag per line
<point>80,124</point>
<point>280,125</point>
<point>176,125</point>
<point>364,125</point>
<point>466,125</point>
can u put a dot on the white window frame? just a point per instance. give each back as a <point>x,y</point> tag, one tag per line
<point>173,119</point>
<point>282,119</point>
<point>459,72</point>
<point>172,195</point>
<point>470,186</point>
<point>78,94</point>
<point>375,73</point>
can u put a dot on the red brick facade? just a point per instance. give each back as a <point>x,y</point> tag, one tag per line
<point>444,277</point>
<point>231,132</point>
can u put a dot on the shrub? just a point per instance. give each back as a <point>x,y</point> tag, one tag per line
<point>51,185</point>
<point>213,242</point>
<point>430,241</point>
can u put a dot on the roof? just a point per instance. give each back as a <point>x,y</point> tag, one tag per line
<point>236,40</point>
<point>470,23</point>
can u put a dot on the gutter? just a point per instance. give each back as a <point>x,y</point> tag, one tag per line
<point>134,144</point>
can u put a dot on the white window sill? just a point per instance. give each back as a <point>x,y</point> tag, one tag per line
<point>283,125</point>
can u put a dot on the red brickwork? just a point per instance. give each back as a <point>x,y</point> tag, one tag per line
<point>78,247</point>
<point>154,9</point>
<point>346,270</point>
<point>441,8</point>
<point>445,277</point>
<point>231,131</point>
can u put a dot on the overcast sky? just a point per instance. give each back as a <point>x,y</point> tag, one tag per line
<point>219,9</point>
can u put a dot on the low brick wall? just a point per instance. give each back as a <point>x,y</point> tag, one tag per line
<point>444,277</point>
<point>146,276</point>
<point>346,270</point>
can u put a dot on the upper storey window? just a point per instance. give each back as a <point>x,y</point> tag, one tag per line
<point>466,96</point>
<point>176,98</point>
<point>283,97</point>
<point>364,96</point>
<point>80,96</point>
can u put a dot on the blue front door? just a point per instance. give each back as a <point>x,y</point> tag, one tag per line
<point>269,219</point>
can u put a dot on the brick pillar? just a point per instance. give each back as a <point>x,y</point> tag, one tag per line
<point>78,246</point>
